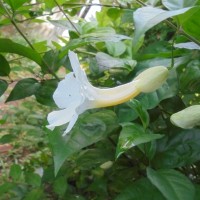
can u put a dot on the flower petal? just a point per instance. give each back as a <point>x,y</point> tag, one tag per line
<point>79,73</point>
<point>67,92</point>
<point>57,118</point>
<point>71,124</point>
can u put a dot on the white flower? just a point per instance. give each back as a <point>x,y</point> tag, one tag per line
<point>75,94</point>
<point>187,118</point>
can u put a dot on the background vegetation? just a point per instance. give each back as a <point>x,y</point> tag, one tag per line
<point>128,152</point>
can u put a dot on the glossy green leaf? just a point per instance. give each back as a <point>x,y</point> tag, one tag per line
<point>190,22</point>
<point>139,109</point>
<point>44,93</point>
<point>8,46</point>
<point>16,4</point>
<point>24,88</point>
<point>140,190</point>
<point>181,148</point>
<point>15,172</point>
<point>3,86</point>
<point>172,184</point>
<point>115,48</point>
<point>89,129</point>
<point>147,17</point>
<point>133,135</point>
<point>175,5</point>
<point>4,66</point>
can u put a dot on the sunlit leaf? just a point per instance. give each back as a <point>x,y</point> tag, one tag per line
<point>147,17</point>
<point>187,45</point>
<point>175,5</point>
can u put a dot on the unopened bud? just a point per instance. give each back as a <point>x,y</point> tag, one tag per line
<point>151,79</point>
<point>187,118</point>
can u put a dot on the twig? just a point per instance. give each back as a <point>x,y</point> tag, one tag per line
<point>66,16</point>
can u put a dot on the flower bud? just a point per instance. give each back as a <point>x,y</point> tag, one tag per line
<point>151,79</point>
<point>187,118</point>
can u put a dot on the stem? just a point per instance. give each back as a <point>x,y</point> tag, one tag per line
<point>66,16</point>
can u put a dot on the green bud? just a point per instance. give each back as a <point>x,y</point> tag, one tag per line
<point>187,118</point>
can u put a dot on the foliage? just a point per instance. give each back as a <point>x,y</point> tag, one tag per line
<point>128,151</point>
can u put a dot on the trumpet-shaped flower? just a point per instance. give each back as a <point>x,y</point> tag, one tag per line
<point>75,94</point>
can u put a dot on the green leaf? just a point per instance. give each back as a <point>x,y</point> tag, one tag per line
<point>4,66</point>
<point>175,5</point>
<point>190,22</point>
<point>16,4</point>
<point>189,78</point>
<point>116,48</point>
<point>140,190</point>
<point>89,129</point>
<point>33,179</point>
<point>142,113</point>
<point>6,187</point>
<point>172,184</point>
<point>147,17</point>
<point>181,148</point>
<point>35,194</point>
<point>60,185</point>
<point>3,86</point>
<point>107,62</point>
<point>24,88</point>
<point>104,34</point>
<point>15,172</point>
<point>187,45</point>
<point>133,135</point>
<point>52,60</point>
<point>8,46</point>
<point>44,93</point>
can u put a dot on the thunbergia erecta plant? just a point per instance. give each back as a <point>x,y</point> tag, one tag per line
<point>75,94</point>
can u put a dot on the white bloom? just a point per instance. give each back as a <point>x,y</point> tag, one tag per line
<point>187,118</point>
<point>75,94</point>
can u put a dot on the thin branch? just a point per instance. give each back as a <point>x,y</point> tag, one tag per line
<point>66,16</point>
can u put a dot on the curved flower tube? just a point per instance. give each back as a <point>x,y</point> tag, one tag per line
<point>187,118</point>
<point>75,94</point>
